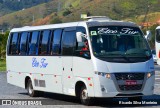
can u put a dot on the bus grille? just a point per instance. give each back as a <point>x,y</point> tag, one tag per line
<point>122,77</point>
<point>130,87</point>
<point>129,76</point>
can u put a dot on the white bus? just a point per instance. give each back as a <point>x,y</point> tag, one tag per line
<point>117,62</point>
<point>157,44</point>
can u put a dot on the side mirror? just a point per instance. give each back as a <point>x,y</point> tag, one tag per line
<point>148,35</point>
<point>79,36</point>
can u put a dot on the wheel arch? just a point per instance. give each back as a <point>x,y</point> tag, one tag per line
<point>26,81</point>
<point>78,86</point>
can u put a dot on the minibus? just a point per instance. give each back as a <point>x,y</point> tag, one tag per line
<point>95,58</point>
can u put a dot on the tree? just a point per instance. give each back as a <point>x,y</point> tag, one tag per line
<point>66,12</point>
<point>3,42</point>
<point>56,20</point>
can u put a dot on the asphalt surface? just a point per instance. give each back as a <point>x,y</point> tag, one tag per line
<point>50,100</point>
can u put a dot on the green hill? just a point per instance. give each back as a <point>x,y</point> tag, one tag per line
<point>8,6</point>
<point>70,10</point>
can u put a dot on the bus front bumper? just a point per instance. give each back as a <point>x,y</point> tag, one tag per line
<point>110,88</point>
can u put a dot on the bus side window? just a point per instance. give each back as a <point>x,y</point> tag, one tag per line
<point>33,44</point>
<point>45,42</point>
<point>56,42</point>
<point>23,43</point>
<point>14,48</point>
<point>68,42</point>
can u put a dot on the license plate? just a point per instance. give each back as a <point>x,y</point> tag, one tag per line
<point>130,82</point>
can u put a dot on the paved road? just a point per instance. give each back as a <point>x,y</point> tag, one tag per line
<point>157,67</point>
<point>157,77</point>
<point>8,91</point>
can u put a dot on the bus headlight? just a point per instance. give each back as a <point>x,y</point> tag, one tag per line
<point>106,75</point>
<point>149,74</point>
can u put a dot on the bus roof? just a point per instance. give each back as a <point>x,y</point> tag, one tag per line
<point>89,23</point>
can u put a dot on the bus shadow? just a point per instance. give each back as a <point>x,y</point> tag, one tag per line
<point>59,99</point>
<point>56,99</point>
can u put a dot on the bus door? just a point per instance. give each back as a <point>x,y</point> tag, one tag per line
<point>68,43</point>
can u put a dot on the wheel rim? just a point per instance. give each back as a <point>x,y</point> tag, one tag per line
<point>84,94</point>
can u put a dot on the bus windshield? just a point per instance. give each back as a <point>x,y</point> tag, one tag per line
<point>119,44</point>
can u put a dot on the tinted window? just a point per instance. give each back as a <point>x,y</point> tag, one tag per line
<point>45,42</point>
<point>125,43</point>
<point>158,35</point>
<point>81,29</point>
<point>55,50</point>
<point>33,45</point>
<point>82,48</point>
<point>23,43</point>
<point>14,44</point>
<point>68,42</point>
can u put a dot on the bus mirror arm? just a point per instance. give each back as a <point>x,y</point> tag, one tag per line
<point>148,35</point>
<point>79,36</point>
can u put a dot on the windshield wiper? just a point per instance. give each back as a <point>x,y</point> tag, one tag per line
<point>134,53</point>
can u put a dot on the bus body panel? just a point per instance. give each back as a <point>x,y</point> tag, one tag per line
<point>67,76</point>
<point>111,88</point>
<point>83,70</point>
<point>51,74</point>
<point>157,46</point>
<point>103,66</point>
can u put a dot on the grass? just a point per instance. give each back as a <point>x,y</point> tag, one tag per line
<point>2,65</point>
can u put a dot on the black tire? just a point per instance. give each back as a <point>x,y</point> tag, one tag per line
<point>30,90</point>
<point>85,100</point>
<point>138,99</point>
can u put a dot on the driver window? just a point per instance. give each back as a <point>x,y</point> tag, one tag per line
<point>82,48</point>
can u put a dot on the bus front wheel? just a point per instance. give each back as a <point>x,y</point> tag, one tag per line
<point>85,100</point>
<point>30,89</point>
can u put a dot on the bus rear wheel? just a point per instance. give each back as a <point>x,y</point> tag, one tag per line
<point>30,90</point>
<point>85,100</point>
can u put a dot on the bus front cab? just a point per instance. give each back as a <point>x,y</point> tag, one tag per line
<point>122,60</point>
